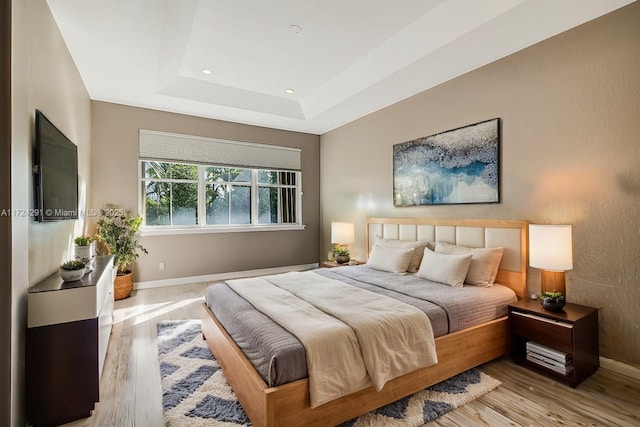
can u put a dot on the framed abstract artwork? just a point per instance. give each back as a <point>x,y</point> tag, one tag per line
<point>453,167</point>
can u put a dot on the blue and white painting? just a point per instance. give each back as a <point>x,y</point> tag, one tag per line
<point>456,166</point>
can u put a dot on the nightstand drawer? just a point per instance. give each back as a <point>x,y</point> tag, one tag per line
<point>545,331</point>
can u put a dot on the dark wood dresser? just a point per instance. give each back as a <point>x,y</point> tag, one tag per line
<point>68,329</point>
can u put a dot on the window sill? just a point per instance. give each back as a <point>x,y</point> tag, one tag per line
<point>162,231</point>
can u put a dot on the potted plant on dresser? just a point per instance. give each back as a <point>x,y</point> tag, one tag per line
<point>72,270</point>
<point>85,248</point>
<point>117,232</point>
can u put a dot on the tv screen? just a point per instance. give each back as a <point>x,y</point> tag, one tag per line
<point>56,173</point>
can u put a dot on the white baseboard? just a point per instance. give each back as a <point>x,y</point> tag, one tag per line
<point>221,276</point>
<point>620,368</point>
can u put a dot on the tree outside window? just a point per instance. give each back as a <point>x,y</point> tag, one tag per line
<point>171,195</point>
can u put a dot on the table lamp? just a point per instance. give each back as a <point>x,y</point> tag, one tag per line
<point>342,234</point>
<point>550,250</point>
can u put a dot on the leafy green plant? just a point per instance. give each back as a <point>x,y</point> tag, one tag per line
<point>340,250</point>
<point>117,231</point>
<point>552,301</point>
<point>83,240</point>
<point>553,295</point>
<point>72,265</point>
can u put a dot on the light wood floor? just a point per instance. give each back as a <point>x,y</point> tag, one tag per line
<point>131,395</point>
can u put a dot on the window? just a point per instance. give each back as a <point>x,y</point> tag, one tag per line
<point>197,183</point>
<point>277,195</point>
<point>181,194</point>
<point>171,193</point>
<point>228,195</point>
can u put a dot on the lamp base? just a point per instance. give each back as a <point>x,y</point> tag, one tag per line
<point>552,281</point>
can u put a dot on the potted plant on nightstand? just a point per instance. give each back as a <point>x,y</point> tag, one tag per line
<point>117,231</point>
<point>552,301</point>
<point>341,254</point>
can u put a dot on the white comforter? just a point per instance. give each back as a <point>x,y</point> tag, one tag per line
<point>353,338</point>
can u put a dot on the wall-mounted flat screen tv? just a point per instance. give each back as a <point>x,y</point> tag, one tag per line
<point>56,179</point>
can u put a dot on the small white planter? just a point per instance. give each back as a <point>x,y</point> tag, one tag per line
<point>71,275</point>
<point>86,253</point>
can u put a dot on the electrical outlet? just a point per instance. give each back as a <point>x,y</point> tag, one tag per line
<point>161,266</point>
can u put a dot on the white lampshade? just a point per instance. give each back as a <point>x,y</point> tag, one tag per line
<point>342,233</point>
<point>550,247</point>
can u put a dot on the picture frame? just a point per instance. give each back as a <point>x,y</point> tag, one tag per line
<point>458,166</point>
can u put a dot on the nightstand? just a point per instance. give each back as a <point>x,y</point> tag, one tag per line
<point>333,264</point>
<point>564,345</point>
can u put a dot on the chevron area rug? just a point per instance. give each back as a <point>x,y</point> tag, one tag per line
<point>195,392</point>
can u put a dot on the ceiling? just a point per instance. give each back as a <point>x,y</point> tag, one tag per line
<point>343,58</point>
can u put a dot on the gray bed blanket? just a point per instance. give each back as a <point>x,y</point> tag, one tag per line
<point>279,357</point>
<point>456,307</point>
<point>276,354</point>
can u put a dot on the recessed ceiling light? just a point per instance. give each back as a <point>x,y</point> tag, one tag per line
<point>289,90</point>
<point>206,71</point>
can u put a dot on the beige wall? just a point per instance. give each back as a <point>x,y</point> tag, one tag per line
<point>5,221</point>
<point>44,77</point>
<point>570,109</point>
<point>115,180</point>
<point>56,89</point>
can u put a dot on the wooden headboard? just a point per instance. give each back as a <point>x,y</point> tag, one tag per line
<point>476,233</point>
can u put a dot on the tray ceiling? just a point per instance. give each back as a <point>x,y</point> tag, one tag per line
<point>340,59</point>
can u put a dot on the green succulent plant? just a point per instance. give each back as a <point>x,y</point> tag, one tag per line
<point>83,240</point>
<point>340,250</point>
<point>552,295</point>
<point>72,265</point>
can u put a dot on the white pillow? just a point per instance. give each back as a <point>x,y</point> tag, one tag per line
<point>448,269</point>
<point>418,247</point>
<point>484,262</point>
<point>395,260</point>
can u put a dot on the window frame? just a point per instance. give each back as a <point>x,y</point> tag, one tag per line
<point>202,182</point>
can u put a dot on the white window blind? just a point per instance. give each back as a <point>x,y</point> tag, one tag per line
<point>155,145</point>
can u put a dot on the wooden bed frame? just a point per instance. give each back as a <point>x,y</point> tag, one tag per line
<point>288,404</point>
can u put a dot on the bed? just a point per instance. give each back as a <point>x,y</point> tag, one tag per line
<point>287,403</point>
